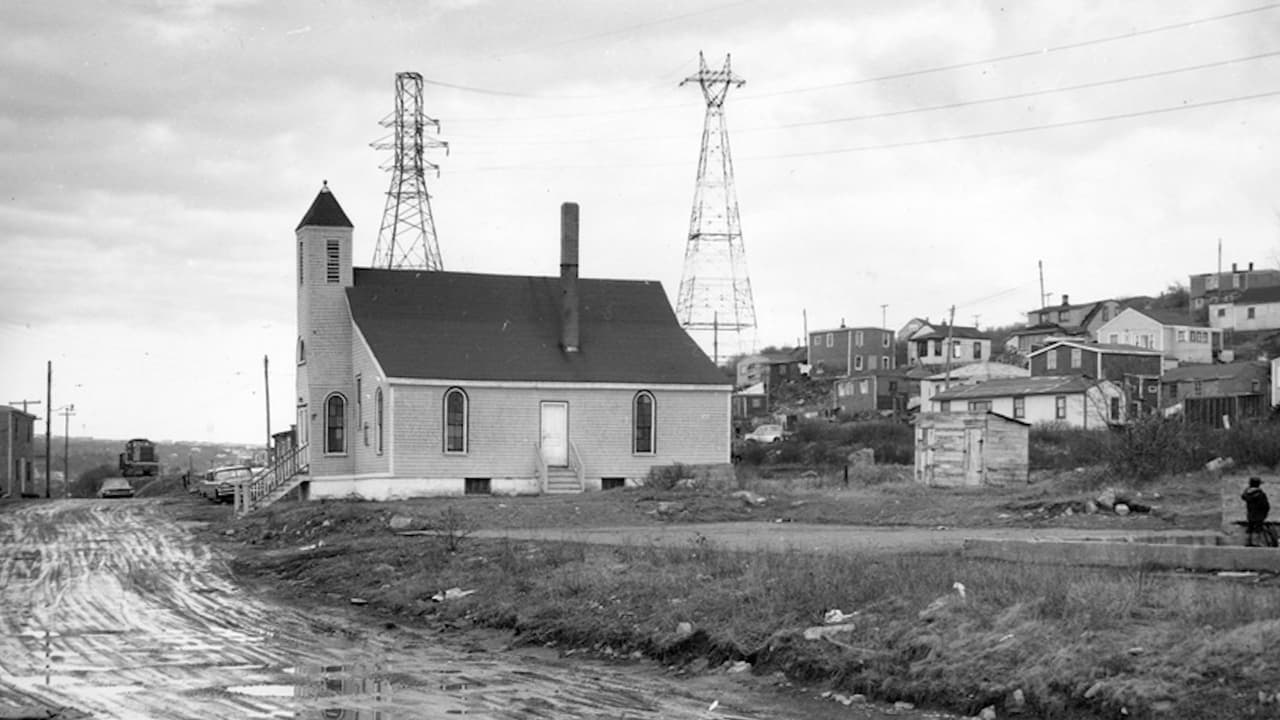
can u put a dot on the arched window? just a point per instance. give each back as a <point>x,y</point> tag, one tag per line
<point>455,421</point>
<point>377,419</point>
<point>302,351</point>
<point>335,424</point>
<point>642,423</point>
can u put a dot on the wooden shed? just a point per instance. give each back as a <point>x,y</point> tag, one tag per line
<point>970,449</point>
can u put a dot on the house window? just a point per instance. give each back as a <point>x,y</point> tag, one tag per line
<point>1182,335</point>
<point>1060,407</point>
<point>377,418</point>
<point>937,348</point>
<point>830,340</point>
<point>857,362</point>
<point>1198,387</point>
<point>1044,318</point>
<point>1222,312</point>
<point>1076,357</point>
<point>944,406</point>
<point>643,424</point>
<point>857,338</point>
<point>1051,360</point>
<point>333,264</point>
<point>1249,313</point>
<point>1211,282</point>
<point>1115,409</point>
<point>884,362</point>
<point>1235,281</point>
<point>455,421</point>
<point>893,387</point>
<point>299,263</point>
<point>302,351</point>
<point>1173,391</point>
<point>956,349</point>
<point>1019,407</point>
<point>1063,315</point>
<point>360,424</point>
<point>864,387</point>
<point>977,350</point>
<point>1254,386</point>
<point>884,339</point>
<point>817,341</point>
<point>979,405</point>
<point>335,424</point>
<point>612,483</point>
<point>922,348</point>
<point>1115,338</point>
<point>477,486</point>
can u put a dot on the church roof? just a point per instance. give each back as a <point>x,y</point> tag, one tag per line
<point>325,211</point>
<point>470,326</point>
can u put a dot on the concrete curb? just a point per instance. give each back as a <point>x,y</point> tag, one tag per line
<point>1126,554</point>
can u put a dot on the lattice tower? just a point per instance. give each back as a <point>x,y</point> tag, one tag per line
<point>407,238</point>
<point>715,305</point>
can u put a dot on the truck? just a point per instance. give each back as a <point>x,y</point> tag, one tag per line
<point>139,458</point>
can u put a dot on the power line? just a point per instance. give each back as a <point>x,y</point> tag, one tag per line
<point>1015,131</point>
<point>928,108</point>
<point>1018,55</point>
<point>1023,95</point>
<point>916,143</point>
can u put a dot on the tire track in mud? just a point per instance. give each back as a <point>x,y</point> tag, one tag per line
<point>115,610</point>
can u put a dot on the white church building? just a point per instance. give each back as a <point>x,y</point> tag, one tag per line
<point>419,383</point>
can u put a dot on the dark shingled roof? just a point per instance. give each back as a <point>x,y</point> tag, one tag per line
<point>325,212</point>
<point>470,326</point>
<point>959,332</point>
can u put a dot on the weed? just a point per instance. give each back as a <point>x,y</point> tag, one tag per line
<point>452,527</point>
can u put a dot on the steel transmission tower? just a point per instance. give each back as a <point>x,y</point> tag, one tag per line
<point>407,238</point>
<point>715,301</point>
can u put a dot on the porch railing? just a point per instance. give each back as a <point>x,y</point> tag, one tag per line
<point>541,466</point>
<point>575,463</point>
<point>250,494</point>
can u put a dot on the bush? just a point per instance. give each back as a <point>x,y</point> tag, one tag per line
<point>1153,445</point>
<point>1056,447</point>
<point>1251,442</point>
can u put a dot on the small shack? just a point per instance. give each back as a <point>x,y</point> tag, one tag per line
<point>970,449</point>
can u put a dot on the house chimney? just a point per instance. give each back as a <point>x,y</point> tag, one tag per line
<point>1064,300</point>
<point>569,336</point>
<point>1251,266</point>
<point>1233,267</point>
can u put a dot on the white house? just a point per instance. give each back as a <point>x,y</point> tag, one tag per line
<point>1253,309</point>
<point>1172,334</point>
<point>415,383</point>
<point>968,375</point>
<point>1073,401</point>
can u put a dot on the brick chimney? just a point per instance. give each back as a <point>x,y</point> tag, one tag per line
<point>569,335</point>
<point>1064,300</point>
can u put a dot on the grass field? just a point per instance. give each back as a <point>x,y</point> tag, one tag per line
<point>1052,641</point>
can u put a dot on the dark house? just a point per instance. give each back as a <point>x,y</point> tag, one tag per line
<point>1136,370</point>
<point>1207,393</point>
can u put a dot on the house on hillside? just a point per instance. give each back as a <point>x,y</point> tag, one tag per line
<point>927,346</point>
<point>770,367</point>
<point>1024,340</point>
<point>1249,310</point>
<point>971,374</point>
<point>418,383</point>
<point>1205,393</point>
<point>1070,400</point>
<point>880,391</point>
<point>1173,334</point>
<point>17,476</point>
<point>848,350</point>
<point>971,449</point>
<point>1222,288</point>
<point>1075,319</point>
<point>1135,370</point>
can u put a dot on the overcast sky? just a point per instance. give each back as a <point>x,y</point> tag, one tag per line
<point>155,158</point>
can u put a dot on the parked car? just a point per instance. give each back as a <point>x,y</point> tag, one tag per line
<point>219,484</point>
<point>765,434</point>
<point>116,487</point>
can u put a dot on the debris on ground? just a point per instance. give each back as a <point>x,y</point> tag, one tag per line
<point>835,616</point>
<point>452,593</point>
<point>749,498</point>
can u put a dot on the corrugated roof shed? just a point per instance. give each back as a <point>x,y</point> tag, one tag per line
<point>1055,385</point>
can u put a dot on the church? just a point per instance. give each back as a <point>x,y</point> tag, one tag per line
<point>427,383</point>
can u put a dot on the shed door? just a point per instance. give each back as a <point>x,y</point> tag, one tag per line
<point>555,434</point>
<point>973,474</point>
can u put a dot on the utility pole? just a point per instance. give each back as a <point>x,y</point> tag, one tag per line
<point>1043,300</point>
<point>66,414</point>
<point>951,328</point>
<point>25,403</point>
<point>975,320</point>
<point>48,424</point>
<point>266,384</point>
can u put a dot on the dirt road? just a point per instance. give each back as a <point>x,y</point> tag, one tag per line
<point>114,610</point>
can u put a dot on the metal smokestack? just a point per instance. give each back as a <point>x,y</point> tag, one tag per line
<point>569,335</point>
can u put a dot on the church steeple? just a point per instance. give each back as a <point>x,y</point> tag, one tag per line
<point>325,211</point>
